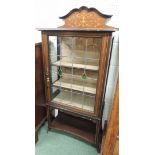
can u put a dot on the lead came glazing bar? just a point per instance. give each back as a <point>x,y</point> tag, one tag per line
<point>77,69</point>
<point>72,69</point>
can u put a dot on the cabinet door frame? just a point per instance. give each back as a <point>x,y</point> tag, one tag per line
<point>106,37</point>
<point>101,82</point>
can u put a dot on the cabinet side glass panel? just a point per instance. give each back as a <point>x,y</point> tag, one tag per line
<point>74,64</point>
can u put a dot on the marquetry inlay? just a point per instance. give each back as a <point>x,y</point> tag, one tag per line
<point>85,18</point>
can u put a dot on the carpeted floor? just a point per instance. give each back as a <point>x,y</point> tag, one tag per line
<point>55,143</point>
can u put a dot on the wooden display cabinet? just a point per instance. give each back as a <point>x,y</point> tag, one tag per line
<point>75,58</point>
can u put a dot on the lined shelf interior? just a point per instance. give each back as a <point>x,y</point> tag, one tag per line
<point>74,99</point>
<point>77,83</point>
<point>74,65</point>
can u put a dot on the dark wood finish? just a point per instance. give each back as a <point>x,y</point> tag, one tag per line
<point>106,37</point>
<point>46,66</point>
<point>75,110</point>
<point>98,128</point>
<point>39,75</point>
<point>87,9</point>
<point>110,140</point>
<point>77,30</point>
<point>48,116</point>
<point>40,116</point>
<point>76,126</point>
<point>83,22</point>
<point>72,111</point>
<point>36,136</point>
<point>102,72</point>
<point>40,110</point>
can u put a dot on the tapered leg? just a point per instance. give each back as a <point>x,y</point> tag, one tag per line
<point>36,136</point>
<point>98,135</point>
<point>48,117</point>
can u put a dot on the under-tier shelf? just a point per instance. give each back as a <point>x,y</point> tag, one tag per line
<point>76,65</point>
<point>78,127</point>
<point>77,100</point>
<point>88,86</point>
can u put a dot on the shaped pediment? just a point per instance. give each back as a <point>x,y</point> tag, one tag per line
<point>85,18</point>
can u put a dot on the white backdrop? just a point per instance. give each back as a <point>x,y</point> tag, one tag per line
<point>47,12</point>
<point>136,71</point>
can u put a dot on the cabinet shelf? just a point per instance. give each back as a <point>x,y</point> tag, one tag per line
<point>76,65</point>
<point>77,100</point>
<point>88,86</point>
<point>78,127</point>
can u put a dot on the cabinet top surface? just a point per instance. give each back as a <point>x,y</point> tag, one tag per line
<point>77,29</point>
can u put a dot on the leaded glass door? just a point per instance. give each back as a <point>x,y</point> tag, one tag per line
<point>74,66</point>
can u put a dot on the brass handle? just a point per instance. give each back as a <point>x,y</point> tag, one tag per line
<point>46,72</point>
<point>47,82</point>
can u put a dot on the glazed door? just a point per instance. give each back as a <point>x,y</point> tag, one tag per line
<point>75,71</point>
<point>74,66</point>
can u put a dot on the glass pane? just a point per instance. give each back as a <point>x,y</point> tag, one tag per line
<point>61,96</point>
<point>88,103</point>
<point>74,64</point>
<point>77,99</point>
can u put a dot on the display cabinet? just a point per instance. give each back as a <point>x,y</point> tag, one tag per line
<point>75,58</point>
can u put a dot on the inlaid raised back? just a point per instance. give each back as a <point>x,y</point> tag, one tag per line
<point>85,18</point>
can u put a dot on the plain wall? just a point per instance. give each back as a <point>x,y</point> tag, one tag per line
<point>47,12</point>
